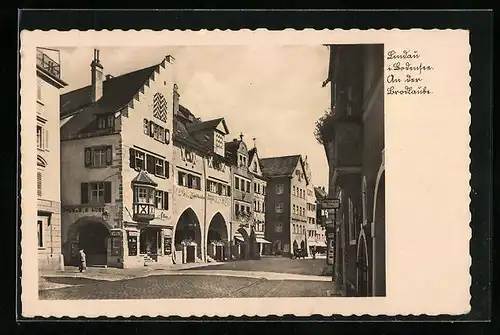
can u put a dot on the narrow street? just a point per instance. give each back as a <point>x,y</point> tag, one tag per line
<point>269,277</point>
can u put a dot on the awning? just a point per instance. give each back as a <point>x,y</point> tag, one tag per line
<point>262,240</point>
<point>239,238</point>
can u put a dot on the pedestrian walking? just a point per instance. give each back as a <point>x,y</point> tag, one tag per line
<point>83,261</point>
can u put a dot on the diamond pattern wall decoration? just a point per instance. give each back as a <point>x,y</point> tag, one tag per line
<point>160,107</point>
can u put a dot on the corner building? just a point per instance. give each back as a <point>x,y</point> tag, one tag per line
<point>49,82</point>
<point>116,174</point>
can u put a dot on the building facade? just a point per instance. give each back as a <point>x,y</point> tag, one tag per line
<point>354,144</point>
<point>311,226</point>
<point>49,83</point>
<point>146,181</point>
<point>286,203</point>
<point>248,195</point>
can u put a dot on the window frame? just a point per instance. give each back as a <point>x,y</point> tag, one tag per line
<point>280,205</point>
<point>40,234</point>
<point>279,189</point>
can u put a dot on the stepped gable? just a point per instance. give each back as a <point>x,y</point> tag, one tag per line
<point>118,92</point>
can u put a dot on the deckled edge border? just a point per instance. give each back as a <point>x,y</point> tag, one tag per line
<point>211,315</point>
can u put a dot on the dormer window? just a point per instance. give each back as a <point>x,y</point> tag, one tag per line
<point>104,122</point>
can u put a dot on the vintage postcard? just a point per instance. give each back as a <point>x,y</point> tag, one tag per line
<point>229,173</point>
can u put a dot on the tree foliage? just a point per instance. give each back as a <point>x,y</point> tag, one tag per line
<point>323,127</point>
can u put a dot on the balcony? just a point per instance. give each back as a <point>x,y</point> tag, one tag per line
<point>48,64</point>
<point>143,212</point>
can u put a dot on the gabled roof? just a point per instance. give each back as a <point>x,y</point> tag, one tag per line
<point>280,166</point>
<point>251,153</point>
<point>143,178</point>
<point>181,133</point>
<point>207,125</point>
<point>117,93</point>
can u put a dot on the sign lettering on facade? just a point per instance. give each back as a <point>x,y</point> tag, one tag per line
<point>330,204</point>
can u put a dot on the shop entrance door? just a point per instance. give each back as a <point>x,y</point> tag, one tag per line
<point>191,256</point>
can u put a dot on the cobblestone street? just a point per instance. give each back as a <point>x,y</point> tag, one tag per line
<point>269,277</point>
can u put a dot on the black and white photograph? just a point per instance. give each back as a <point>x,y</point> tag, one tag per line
<point>229,170</point>
<point>173,186</point>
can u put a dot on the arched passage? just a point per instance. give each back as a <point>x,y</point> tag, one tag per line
<point>217,238</point>
<point>295,246</point>
<point>91,235</point>
<point>243,244</point>
<point>362,266</point>
<point>188,235</point>
<point>302,245</point>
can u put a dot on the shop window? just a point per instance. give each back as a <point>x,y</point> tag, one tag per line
<point>132,243</point>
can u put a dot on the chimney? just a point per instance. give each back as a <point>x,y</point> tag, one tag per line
<point>96,77</point>
<point>175,99</point>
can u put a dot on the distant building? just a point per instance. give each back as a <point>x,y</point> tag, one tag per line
<point>248,194</point>
<point>286,203</point>
<point>311,226</point>
<point>49,82</point>
<point>319,195</point>
<point>354,144</point>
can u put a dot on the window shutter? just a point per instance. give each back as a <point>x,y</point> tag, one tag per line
<point>88,157</point>
<point>151,129</point>
<point>39,183</point>
<point>107,192</point>
<point>132,158</point>
<point>228,191</point>
<point>46,144</point>
<point>150,164</point>
<point>109,155</point>
<point>85,193</point>
<point>165,200</point>
<point>167,169</point>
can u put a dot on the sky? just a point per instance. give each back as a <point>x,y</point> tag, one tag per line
<point>271,93</point>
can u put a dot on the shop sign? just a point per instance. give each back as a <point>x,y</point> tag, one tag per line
<point>330,204</point>
<point>116,233</point>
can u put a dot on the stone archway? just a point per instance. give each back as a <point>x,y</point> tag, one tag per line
<point>302,245</point>
<point>243,246</point>
<point>90,234</point>
<point>295,246</point>
<point>187,236</point>
<point>362,265</point>
<point>217,238</point>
